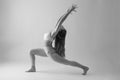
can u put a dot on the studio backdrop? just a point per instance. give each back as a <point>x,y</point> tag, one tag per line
<point>93,32</point>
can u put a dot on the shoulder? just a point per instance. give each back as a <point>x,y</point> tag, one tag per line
<point>47,36</point>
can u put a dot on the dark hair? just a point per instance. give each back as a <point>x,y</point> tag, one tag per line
<point>60,42</point>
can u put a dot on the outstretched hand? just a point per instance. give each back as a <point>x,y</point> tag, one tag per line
<point>72,8</point>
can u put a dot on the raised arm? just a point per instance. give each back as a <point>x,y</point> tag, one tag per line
<point>61,20</point>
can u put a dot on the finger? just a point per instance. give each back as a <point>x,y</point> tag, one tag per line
<point>74,5</point>
<point>75,10</point>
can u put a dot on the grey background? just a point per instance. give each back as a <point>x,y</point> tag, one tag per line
<point>93,32</point>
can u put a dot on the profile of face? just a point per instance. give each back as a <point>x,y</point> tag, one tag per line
<point>62,27</point>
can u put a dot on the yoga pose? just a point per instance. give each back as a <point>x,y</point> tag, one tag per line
<point>56,52</point>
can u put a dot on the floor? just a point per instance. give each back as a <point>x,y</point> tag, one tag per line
<point>15,71</point>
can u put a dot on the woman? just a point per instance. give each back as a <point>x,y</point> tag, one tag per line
<point>50,51</point>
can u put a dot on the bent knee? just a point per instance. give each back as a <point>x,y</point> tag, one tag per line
<point>32,51</point>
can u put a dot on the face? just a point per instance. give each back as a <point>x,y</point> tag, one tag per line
<point>62,27</point>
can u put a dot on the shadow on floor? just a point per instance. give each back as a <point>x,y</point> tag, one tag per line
<point>62,72</point>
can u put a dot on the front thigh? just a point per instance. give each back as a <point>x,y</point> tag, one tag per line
<point>39,52</point>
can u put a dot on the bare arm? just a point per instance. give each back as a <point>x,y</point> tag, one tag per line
<point>61,20</point>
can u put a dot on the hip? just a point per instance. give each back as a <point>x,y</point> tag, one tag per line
<point>49,50</point>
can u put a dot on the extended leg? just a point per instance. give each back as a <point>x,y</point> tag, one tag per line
<point>33,52</point>
<point>76,64</point>
<point>64,61</point>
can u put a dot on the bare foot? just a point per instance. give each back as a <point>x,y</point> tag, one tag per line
<point>85,70</point>
<point>32,69</point>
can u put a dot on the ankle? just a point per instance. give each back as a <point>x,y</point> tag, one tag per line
<point>85,67</point>
<point>32,66</point>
